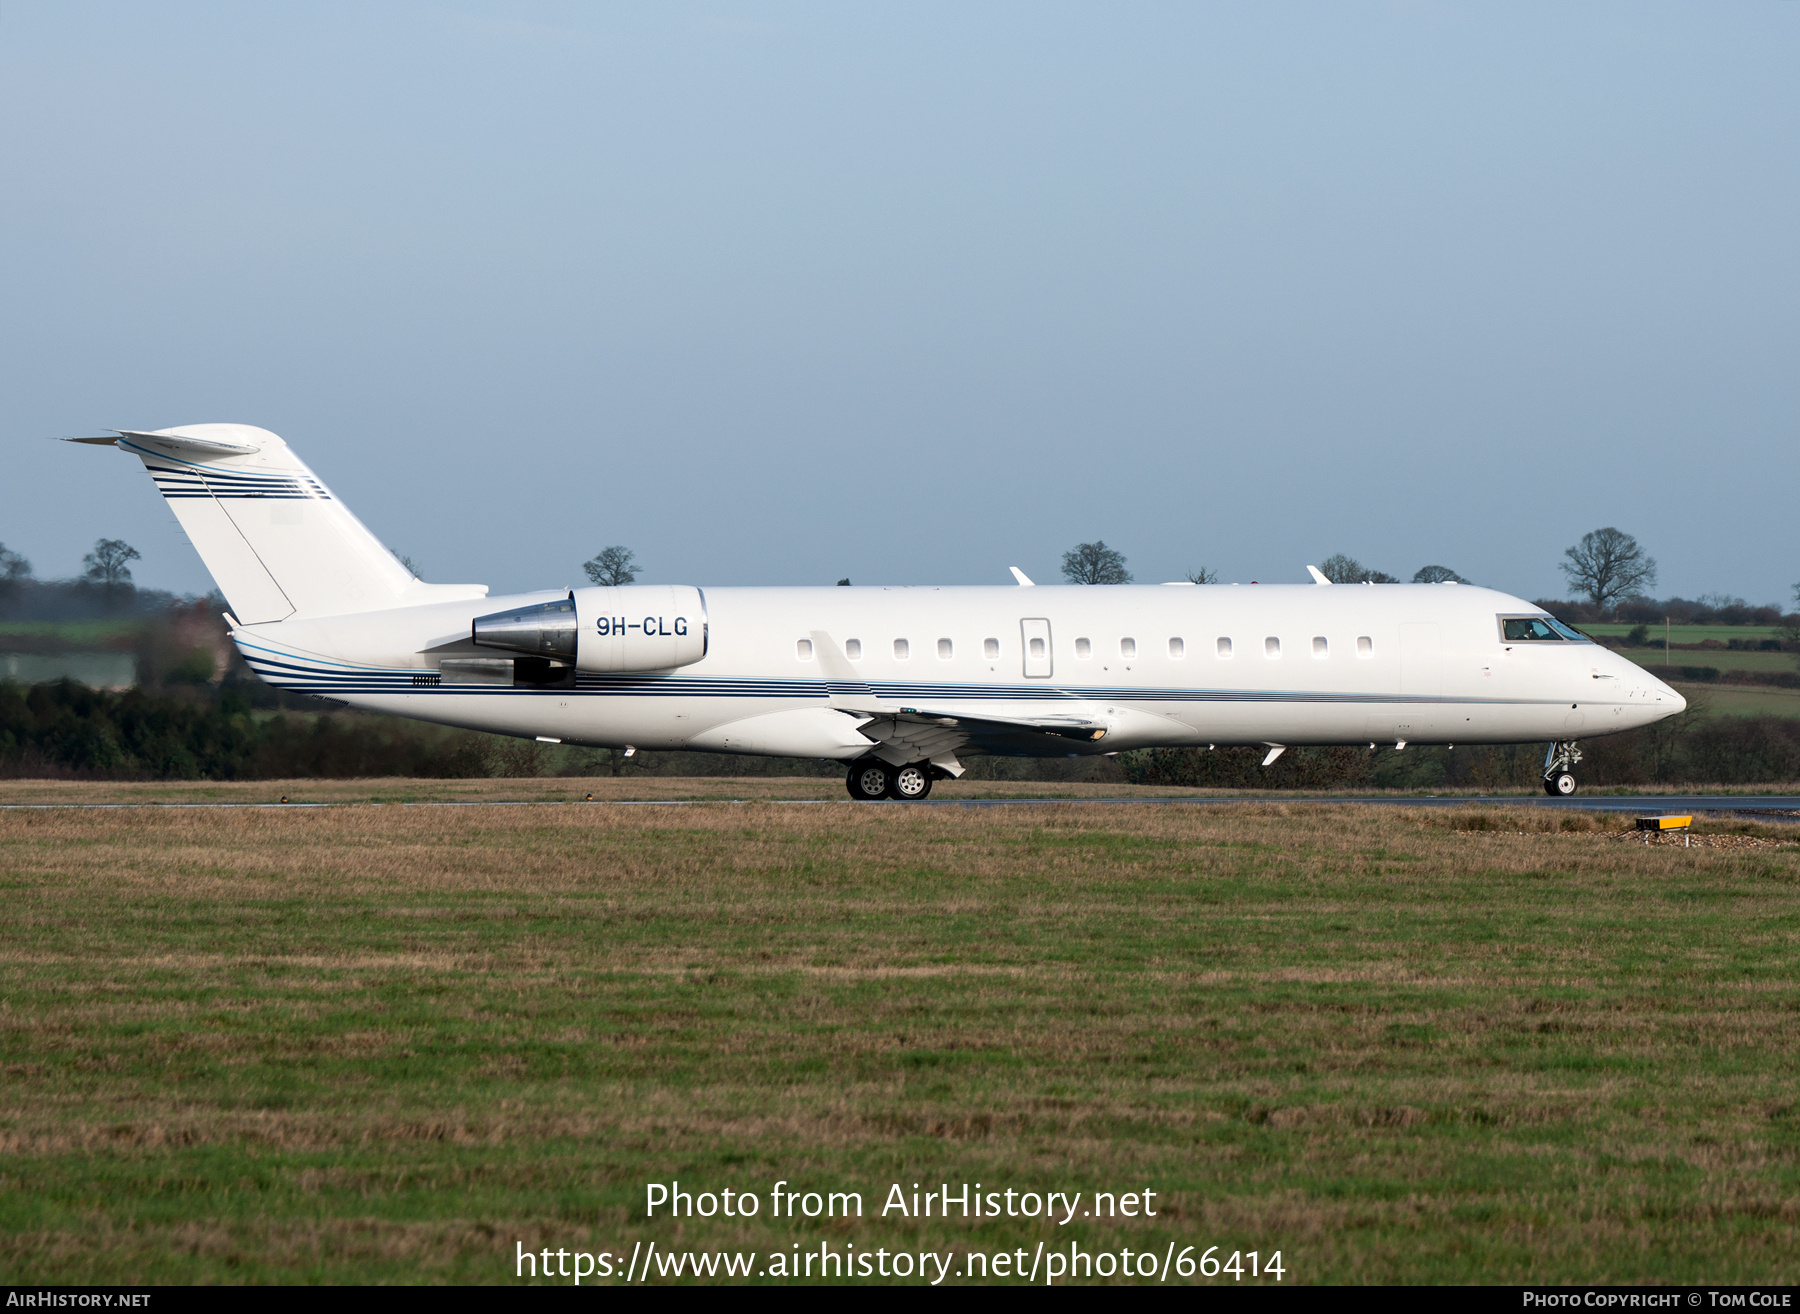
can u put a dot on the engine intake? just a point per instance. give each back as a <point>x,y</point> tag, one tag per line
<point>649,627</point>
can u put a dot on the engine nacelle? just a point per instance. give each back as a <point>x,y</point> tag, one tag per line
<point>648,627</point>
<point>640,627</point>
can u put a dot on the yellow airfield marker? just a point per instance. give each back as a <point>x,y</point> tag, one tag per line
<point>1665,823</point>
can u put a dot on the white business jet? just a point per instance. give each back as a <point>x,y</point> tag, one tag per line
<point>895,682</point>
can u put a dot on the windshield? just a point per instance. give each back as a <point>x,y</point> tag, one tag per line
<point>1537,629</point>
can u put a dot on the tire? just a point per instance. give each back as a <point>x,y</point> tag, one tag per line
<point>869,780</point>
<point>1562,784</point>
<point>910,783</point>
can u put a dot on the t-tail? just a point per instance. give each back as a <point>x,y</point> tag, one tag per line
<point>276,541</point>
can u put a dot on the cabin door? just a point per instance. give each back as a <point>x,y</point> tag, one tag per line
<point>1036,636</point>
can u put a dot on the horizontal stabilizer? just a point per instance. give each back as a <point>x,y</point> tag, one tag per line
<point>183,444</point>
<point>171,444</point>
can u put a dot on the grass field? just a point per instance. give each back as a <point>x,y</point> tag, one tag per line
<point>1723,659</point>
<point>387,1044</point>
<point>1741,700</point>
<point>697,789</point>
<point>1688,633</point>
<point>73,634</point>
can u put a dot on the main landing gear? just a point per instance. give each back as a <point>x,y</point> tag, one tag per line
<point>1559,768</point>
<point>871,779</point>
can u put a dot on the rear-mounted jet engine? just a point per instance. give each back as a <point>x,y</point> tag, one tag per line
<point>646,627</point>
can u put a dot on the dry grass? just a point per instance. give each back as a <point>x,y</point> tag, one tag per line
<point>555,789</point>
<point>528,789</point>
<point>383,1044</point>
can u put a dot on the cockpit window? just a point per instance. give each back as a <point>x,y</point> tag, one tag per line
<point>1538,629</point>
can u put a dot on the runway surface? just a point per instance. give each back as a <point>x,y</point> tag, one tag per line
<point>1764,807</point>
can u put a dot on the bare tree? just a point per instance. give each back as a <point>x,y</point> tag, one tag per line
<point>14,570</point>
<point>1437,575</point>
<point>1094,563</point>
<point>412,567</point>
<point>614,566</point>
<point>843,583</point>
<point>106,563</point>
<point>1608,565</point>
<point>1202,576</point>
<point>1340,569</point>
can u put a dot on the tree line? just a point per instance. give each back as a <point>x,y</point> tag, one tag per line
<point>66,730</point>
<point>1608,569</point>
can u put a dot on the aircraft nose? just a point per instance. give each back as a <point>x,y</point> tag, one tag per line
<point>1659,696</point>
<point>1666,700</point>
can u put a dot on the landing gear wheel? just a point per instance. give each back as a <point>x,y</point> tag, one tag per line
<point>869,780</point>
<point>1559,764</point>
<point>911,783</point>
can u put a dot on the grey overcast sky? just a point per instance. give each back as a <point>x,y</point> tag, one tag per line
<point>780,293</point>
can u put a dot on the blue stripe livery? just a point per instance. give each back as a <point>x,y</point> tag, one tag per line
<point>285,671</point>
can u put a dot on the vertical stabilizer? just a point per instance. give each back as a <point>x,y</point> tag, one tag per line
<point>274,538</point>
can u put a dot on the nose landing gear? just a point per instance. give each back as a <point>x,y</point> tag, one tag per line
<point>1559,768</point>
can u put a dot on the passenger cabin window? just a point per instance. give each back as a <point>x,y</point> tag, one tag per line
<point>1321,647</point>
<point>1127,647</point>
<point>1083,649</point>
<point>990,648</point>
<point>1365,646</point>
<point>1177,648</point>
<point>946,650</point>
<point>1537,629</point>
<point>1271,646</point>
<point>902,650</point>
<point>1224,647</point>
<point>803,650</point>
<point>853,649</point>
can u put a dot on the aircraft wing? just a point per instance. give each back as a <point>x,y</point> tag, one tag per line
<point>916,733</point>
<point>913,734</point>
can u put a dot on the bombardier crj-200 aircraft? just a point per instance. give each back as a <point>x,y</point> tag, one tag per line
<point>894,682</point>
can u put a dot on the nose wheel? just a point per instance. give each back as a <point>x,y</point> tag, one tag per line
<point>1559,769</point>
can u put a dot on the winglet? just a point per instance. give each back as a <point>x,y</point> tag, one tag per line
<point>96,442</point>
<point>1020,576</point>
<point>1317,574</point>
